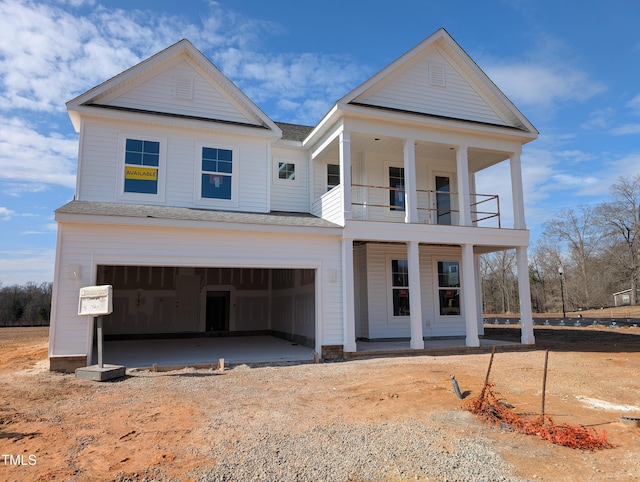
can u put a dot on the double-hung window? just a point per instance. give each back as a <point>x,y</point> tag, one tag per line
<point>449,287</point>
<point>217,173</point>
<point>141,166</point>
<point>333,176</point>
<point>400,287</point>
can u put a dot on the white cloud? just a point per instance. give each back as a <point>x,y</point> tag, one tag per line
<point>5,213</point>
<point>626,130</point>
<point>570,181</point>
<point>301,87</point>
<point>542,85</point>
<point>634,104</point>
<point>27,155</point>
<point>626,167</point>
<point>599,119</point>
<point>43,68</point>
<point>576,156</point>
<point>49,55</point>
<point>17,189</point>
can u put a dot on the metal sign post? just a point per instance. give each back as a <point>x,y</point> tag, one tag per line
<point>100,338</point>
<point>98,301</point>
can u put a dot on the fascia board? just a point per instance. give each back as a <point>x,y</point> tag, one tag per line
<point>325,123</point>
<point>66,218</point>
<point>423,121</point>
<point>173,121</point>
<point>435,234</point>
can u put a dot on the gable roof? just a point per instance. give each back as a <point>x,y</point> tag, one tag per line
<point>438,78</point>
<point>178,82</point>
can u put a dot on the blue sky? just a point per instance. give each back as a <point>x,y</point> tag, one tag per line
<point>572,67</point>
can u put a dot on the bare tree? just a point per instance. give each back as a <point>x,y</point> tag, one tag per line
<point>499,281</point>
<point>621,219</point>
<point>576,231</point>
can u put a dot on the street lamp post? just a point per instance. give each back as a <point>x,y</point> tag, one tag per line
<point>561,273</point>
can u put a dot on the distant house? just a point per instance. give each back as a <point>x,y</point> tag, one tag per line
<point>623,298</point>
<point>207,217</point>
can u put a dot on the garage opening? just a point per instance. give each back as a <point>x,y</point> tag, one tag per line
<point>254,304</point>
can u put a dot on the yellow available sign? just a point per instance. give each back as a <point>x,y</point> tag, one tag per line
<point>143,173</point>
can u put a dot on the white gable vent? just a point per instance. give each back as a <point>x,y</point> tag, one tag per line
<point>437,76</point>
<point>183,88</point>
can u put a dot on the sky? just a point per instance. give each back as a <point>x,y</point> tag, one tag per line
<point>571,67</point>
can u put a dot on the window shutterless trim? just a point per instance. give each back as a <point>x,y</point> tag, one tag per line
<point>141,167</point>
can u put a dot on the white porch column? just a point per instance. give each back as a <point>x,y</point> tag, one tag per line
<point>415,295</point>
<point>479,310</point>
<point>517,191</point>
<point>468,285</point>
<point>524,292</point>
<point>411,197</point>
<point>464,199</point>
<point>348,297</point>
<point>345,172</point>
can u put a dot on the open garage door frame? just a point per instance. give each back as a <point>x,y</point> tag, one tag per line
<point>192,301</point>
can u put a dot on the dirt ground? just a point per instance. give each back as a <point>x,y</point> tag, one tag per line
<point>57,427</point>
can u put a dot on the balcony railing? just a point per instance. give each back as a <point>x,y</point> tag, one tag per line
<point>434,207</point>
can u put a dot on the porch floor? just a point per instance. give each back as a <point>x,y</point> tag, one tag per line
<point>438,346</point>
<point>205,352</point>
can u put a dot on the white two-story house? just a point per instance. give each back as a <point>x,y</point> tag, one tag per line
<point>208,218</point>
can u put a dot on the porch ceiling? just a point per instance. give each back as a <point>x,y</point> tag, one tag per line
<point>393,146</point>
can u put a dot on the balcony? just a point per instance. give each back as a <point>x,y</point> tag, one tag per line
<point>383,203</point>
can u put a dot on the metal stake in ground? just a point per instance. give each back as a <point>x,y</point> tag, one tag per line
<point>486,379</point>
<point>493,352</point>
<point>544,382</point>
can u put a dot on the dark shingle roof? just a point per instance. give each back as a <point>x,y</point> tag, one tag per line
<point>93,208</point>
<point>294,132</point>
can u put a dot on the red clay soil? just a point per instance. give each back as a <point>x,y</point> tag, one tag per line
<point>57,427</point>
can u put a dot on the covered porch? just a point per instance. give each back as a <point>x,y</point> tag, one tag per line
<point>420,295</point>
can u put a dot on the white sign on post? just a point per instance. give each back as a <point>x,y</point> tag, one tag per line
<point>96,300</point>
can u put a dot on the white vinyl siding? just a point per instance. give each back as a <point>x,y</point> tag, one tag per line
<point>99,164</point>
<point>411,91</point>
<point>381,322</point>
<point>158,95</point>
<point>360,291</point>
<point>290,195</point>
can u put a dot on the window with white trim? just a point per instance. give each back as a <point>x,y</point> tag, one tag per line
<point>449,287</point>
<point>333,176</point>
<point>287,171</point>
<point>216,173</point>
<point>141,166</point>
<point>400,287</point>
<point>396,193</point>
